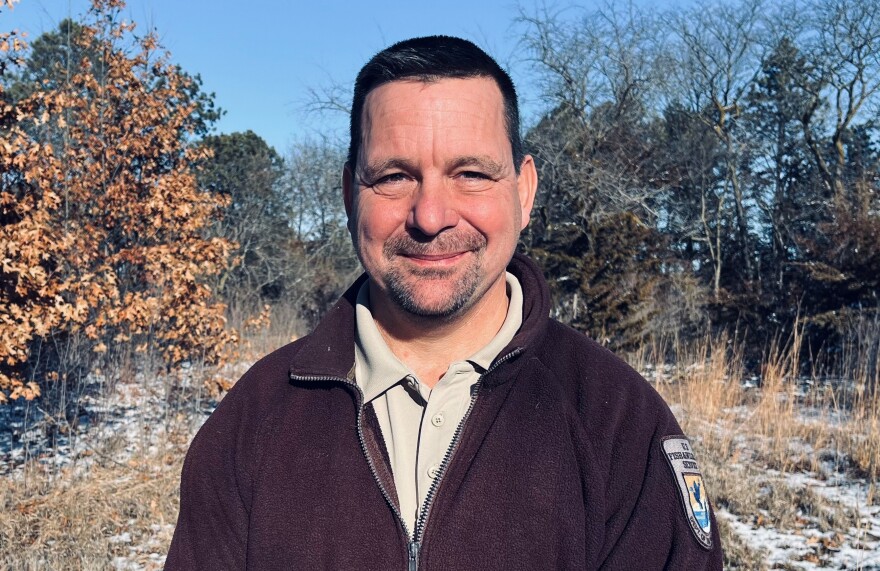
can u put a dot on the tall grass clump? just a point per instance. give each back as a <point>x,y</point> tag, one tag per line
<point>752,428</point>
<point>784,415</point>
<point>113,501</point>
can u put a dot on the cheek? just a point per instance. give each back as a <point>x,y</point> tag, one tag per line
<point>376,222</point>
<point>498,219</point>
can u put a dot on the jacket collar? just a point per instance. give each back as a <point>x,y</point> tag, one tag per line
<point>328,352</point>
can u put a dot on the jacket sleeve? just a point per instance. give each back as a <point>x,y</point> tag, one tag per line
<point>660,531</point>
<point>212,524</point>
<point>655,507</point>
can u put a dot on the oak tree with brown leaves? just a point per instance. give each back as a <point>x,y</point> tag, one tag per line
<point>101,219</point>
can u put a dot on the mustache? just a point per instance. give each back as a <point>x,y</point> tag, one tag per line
<point>443,243</point>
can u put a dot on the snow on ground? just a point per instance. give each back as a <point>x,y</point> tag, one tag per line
<point>810,543</point>
<point>817,539</point>
<point>131,419</point>
<point>127,421</point>
<point>148,555</point>
<point>806,547</point>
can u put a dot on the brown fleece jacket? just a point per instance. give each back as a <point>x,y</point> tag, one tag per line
<point>559,465</point>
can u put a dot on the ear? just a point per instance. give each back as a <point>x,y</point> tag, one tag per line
<point>526,186</point>
<point>348,189</point>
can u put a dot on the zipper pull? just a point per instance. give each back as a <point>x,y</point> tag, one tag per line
<point>414,555</point>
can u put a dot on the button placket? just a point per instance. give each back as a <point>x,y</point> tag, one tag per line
<point>443,410</point>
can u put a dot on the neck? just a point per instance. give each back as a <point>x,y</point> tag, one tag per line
<point>428,345</point>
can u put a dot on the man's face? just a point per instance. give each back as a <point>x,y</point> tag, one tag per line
<point>436,206</point>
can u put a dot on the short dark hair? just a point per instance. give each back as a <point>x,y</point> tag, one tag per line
<point>429,59</point>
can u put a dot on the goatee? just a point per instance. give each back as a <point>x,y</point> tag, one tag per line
<point>402,280</point>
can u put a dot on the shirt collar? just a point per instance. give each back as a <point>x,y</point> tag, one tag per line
<point>377,369</point>
<point>487,354</point>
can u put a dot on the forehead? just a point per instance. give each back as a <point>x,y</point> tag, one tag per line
<point>447,114</point>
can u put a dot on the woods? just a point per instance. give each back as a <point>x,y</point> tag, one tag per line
<point>736,146</point>
<point>701,170</point>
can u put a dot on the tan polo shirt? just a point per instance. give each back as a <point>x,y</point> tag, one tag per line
<point>418,423</point>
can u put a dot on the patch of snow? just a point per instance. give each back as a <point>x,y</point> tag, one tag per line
<point>119,422</point>
<point>123,537</point>
<point>808,548</point>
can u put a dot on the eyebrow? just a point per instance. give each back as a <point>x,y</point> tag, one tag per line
<point>370,171</point>
<point>487,164</point>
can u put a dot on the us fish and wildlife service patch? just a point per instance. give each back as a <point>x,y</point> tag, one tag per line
<point>692,491</point>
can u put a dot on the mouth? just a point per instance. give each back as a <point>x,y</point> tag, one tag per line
<point>434,260</point>
<point>442,255</point>
<point>434,257</point>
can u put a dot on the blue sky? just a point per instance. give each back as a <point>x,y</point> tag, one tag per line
<point>261,57</point>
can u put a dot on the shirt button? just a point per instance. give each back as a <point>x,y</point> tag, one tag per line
<point>433,471</point>
<point>438,419</point>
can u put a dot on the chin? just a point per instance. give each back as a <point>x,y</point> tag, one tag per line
<point>429,306</point>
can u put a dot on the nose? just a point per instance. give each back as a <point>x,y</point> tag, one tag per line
<point>433,208</point>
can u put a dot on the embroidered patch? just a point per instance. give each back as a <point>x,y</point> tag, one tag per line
<point>692,491</point>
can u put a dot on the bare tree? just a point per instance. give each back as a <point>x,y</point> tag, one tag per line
<point>325,262</point>
<point>599,76</point>
<point>594,147</point>
<point>848,33</point>
<point>247,171</point>
<point>718,59</point>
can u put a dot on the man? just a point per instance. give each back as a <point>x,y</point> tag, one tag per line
<point>437,418</point>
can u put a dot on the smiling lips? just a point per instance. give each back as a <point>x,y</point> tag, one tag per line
<point>434,260</point>
<point>433,257</point>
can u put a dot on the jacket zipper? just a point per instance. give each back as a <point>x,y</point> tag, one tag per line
<point>429,499</point>
<point>414,541</point>
<point>414,547</point>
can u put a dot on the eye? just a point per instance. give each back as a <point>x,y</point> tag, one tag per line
<point>474,175</point>
<point>392,184</point>
<point>391,179</point>
<point>473,181</point>
<point>397,177</point>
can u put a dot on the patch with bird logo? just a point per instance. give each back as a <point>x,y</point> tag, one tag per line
<point>692,490</point>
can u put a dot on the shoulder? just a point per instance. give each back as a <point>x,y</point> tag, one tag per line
<point>237,421</point>
<point>265,381</point>
<point>628,428</point>
<point>618,414</point>
<point>602,386</point>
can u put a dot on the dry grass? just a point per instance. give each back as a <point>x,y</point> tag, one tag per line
<point>750,437</point>
<point>92,520</point>
<point>266,330</point>
<point>785,421</point>
<point>103,513</point>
